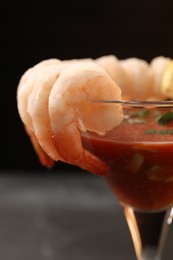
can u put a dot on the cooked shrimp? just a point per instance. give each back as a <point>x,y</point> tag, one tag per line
<point>25,87</point>
<point>36,78</point>
<point>158,66</point>
<point>113,67</point>
<point>59,107</point>
<point>132,75</point>
<point>54,102</point>
<point>37,108</point>
<point>71,109</point>
<point>45,160</point>
<point>167,80</point>
<point>139,78</point>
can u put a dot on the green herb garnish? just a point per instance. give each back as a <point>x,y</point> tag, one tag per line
<point>166,118</point>
<point>136,162</point>
<point>154,168</point>
<point>156,115</point>
<point>140,113</point>
<point>160,132</point>
<point>154,173</point>
<point>166,132</point>
<point>150,131</point>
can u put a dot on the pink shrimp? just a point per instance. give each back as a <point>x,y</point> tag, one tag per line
<point>139,78</point>
<point>44,159</point>
<point>71,109</point>
<point>59,107</point>
<point>167,80</point>
<point>113,67</point>
<point>54,102</point>
<point>35,79</point>
<point>132,75</point>
<point>158,66</point>
<point>26,85</point>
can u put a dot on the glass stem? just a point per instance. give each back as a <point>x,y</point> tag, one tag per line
<point>148,231</point>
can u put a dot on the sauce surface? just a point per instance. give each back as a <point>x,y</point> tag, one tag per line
<point>140,156</point>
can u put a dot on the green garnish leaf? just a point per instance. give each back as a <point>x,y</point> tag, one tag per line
<point>166,118</point>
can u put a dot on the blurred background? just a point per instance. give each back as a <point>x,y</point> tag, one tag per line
<point>38,30</point>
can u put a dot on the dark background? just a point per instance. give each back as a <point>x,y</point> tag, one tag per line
<point>37,30</point>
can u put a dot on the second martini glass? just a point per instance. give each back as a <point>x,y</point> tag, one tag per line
<point>139,152</point>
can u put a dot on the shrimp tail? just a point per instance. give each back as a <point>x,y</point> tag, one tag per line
<point>94,164</point>
<point>44,159</point>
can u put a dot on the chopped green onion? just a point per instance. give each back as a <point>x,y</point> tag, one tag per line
<point>136,162</point>
<point>142,113</point>
<point>160,132</point>
<point>166,132</point>
<point>166,118</point>
<point>150,131</point>
<point>154,168</point>
<point>154,173</point>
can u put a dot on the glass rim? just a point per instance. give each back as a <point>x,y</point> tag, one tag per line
<point>138,103</point>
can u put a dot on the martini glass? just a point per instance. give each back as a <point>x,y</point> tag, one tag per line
<point>139,152</point>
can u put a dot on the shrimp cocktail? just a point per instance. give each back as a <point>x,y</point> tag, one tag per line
<point>113,118</point>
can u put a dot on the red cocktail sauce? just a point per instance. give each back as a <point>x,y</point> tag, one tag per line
<point>141,160</point>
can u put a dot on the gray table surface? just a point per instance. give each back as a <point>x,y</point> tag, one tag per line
<point>63,217</point>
